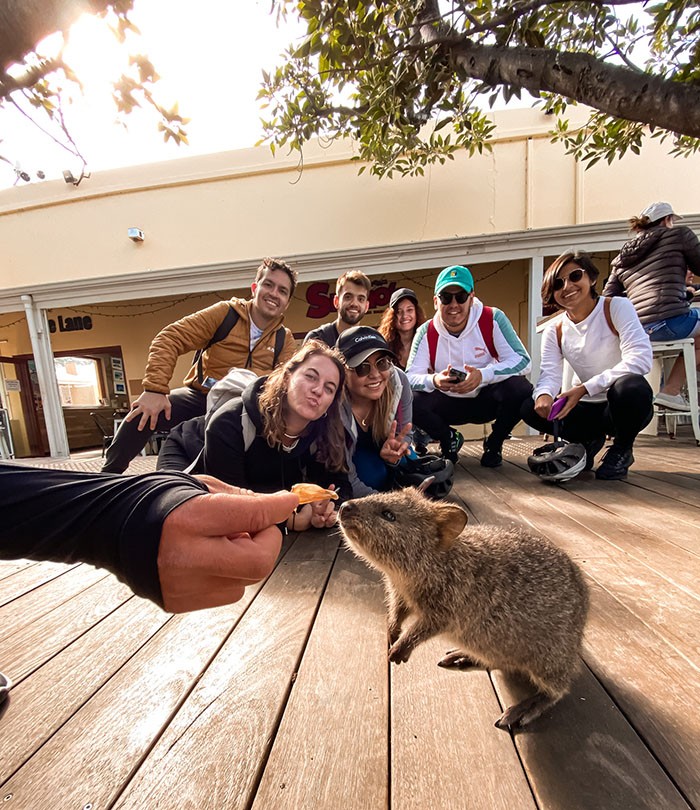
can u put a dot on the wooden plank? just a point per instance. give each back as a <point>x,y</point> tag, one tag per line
<point>29,578</point>
<point>233,712</point>
<point>10,567</point>
<point>41,704</point>
<point>332,741</point>
<point>655,687</point>
<point>583,755</point>
<point>39,601</point>
<point>34,644</point>
<point>90,757</point>
<point>445,750</point>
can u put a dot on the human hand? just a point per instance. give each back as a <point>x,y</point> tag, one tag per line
<point>148,407</point>
<point>573,395</point>
<point>395,446</point>
<point>443,380</point>
<point>543,405</point>
<point>323,513</point>
<point>215,544</point>
<point>470,383</point>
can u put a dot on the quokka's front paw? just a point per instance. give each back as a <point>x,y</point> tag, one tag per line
<point>399,653</point>
<point>394,631</point>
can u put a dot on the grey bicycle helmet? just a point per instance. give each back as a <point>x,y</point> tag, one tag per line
<point>558,461</point>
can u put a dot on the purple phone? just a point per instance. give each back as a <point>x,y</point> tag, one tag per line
<point>557,405</point>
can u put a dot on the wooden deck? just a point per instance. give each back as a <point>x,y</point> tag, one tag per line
<point>286,700</point>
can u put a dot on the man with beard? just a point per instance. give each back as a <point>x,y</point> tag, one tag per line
<point>351,299</point>
<point>230,334</point>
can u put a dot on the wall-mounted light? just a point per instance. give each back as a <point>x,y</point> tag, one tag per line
<point>136,234</point>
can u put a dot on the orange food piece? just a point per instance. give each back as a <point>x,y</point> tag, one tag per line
<point>308,493</point>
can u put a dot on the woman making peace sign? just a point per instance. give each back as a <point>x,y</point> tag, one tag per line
<point>377,411</point>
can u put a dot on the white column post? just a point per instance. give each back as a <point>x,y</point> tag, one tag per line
<point>46,374</point>
<point>534,312</point>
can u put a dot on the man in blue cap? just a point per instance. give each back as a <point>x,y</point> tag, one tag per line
<point>467,366</point>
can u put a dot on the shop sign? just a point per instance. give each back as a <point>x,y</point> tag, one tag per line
<point>77,323</point>
<point>319,297</point>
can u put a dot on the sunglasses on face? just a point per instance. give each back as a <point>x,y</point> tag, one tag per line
<point>383,364</point>
<point>460,297</point>
<point>574,275</point>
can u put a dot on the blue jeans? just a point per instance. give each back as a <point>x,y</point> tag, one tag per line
<point>676,328</point>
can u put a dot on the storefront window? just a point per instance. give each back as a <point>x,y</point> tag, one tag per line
<point>79,381</point>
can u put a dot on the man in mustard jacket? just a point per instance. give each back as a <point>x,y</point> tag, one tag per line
<point>230,334</point>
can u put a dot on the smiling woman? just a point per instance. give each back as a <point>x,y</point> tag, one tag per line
<point>284,429</point>
<point>608,352</point>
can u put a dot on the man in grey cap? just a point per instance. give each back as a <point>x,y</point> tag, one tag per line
<point>467,366</point>
<point>651,271</point>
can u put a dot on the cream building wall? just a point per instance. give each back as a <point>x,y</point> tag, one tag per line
<point>209,219</point>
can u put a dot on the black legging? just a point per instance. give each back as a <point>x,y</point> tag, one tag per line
<point>499,403</point>
<point>186,403</point>
<point>628,409</point>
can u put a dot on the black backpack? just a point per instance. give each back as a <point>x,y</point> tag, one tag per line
<point>222,331</point>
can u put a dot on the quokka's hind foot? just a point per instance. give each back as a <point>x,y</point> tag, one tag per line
<point>457,659</point>
<point>519,715</point>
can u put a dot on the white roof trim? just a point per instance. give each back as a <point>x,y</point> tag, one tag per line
<point>385,259</point>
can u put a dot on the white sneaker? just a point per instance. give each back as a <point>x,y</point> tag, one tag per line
<point>677,402</point>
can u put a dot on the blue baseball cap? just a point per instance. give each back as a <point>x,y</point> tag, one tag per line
<point>455,276</point>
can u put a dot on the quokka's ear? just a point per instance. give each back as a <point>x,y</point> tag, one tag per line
<point>450,521</point>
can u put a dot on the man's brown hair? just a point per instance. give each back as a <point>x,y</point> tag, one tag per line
<point>354,277</point>
<point>277,264</point>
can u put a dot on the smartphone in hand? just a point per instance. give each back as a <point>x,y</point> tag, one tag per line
<point>457,376</point>
<point>557,405</point>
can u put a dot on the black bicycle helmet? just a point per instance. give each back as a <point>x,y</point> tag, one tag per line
<point>416,472</point>
<point>558,460</point>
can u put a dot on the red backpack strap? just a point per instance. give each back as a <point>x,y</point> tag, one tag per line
<point>432,345</point>
<point>486,327</point>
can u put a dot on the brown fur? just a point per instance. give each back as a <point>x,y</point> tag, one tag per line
<point>509,599</point>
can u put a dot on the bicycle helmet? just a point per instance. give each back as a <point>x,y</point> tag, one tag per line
<point>416,472</point>
<point>558,460</point>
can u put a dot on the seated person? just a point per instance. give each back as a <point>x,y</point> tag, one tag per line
<point>605,345</point>
<point>284,429</point>
<point>377,410</point>
<point>651,270</point>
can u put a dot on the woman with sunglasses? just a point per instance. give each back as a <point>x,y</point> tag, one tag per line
<point>377,412</point>
<point>601,385</point>
<point>285,428</point>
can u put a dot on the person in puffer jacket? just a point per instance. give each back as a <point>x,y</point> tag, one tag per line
<point>651,271</point>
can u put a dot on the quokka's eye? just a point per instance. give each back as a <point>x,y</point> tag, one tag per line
<point>389,515</point>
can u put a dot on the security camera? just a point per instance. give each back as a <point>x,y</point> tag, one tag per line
<point>135,234</point>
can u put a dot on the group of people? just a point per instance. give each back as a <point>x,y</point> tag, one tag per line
<point>348,408</point>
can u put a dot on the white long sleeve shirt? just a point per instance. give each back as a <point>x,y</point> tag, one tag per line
<point>468,348</point>
<point>596,356</point>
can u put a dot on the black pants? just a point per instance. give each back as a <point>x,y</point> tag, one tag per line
<point>499,403</point>
<point>186,403</point>
<point>629,409</point>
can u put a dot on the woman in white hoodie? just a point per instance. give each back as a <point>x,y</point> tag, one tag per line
<point>607,352</point>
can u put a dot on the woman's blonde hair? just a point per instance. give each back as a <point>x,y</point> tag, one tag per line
<point>382,416</point>
<point>329,432</point>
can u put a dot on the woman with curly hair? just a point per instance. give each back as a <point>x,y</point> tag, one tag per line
<point>284,429</point>
<point>399,323</point>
